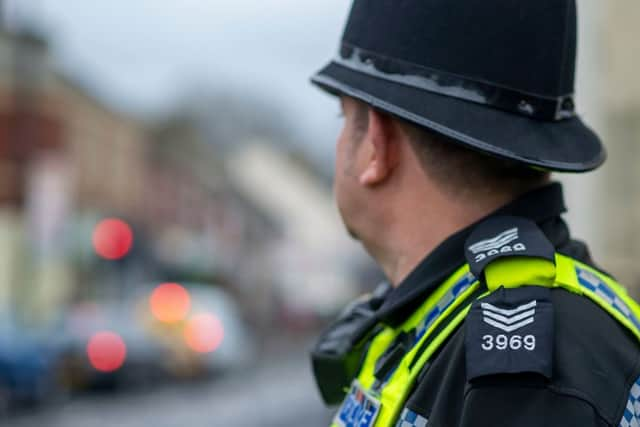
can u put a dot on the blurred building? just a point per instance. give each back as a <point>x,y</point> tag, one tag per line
<point>35,181</point>
<point>255,222</point>
<point>66,160</point>
<point>315,261</point>
<point>203,227</point>
<point>605,205</point>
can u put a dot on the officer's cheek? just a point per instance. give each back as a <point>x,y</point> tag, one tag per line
<point>343,171</point>
<point>346,184</point>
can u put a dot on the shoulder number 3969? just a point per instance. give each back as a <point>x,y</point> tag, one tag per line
<point>503,342</point>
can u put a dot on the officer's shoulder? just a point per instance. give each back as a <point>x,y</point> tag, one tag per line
<point>510,330</point>
<point>554,338</point>
<point>593,358</point>
<point>588,340</point>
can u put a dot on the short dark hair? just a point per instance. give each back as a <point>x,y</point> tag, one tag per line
<point>461,170</point>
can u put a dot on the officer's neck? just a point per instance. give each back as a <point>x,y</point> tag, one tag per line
<point>415,228</point>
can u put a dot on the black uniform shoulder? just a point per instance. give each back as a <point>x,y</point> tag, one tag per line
<point>577,346</point>
<point>595,362</point>
<point>530,355</point>
<point>596,357</point>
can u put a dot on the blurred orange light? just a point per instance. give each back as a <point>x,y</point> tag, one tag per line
<point>170,303</point>
<point>112,238</point>
<point>107,351</point>
<point>204,333</point>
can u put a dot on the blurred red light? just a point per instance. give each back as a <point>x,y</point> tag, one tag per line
<point>204,333</point>
<point>170,303</point>
<point>112,238</point>
<point>107,351</point>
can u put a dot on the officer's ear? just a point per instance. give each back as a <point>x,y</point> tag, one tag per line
<point>383,150</point>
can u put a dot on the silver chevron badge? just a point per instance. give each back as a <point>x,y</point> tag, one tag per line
<point>509,320</point>
<point>496,242</point>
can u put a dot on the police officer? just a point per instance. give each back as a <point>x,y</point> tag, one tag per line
<point>455,114</point>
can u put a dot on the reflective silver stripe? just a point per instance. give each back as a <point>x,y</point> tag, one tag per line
<point>544,107</point>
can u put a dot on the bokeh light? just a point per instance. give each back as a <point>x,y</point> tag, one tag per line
<point>106,351</point>
<point>204,333</point>
<point>112,238</point>
<point>170,303</point>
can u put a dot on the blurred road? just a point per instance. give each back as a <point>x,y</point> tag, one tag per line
<point>280,393</point>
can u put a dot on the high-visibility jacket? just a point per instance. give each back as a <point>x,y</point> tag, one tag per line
<point>378,400</point>
<point>551,342</point>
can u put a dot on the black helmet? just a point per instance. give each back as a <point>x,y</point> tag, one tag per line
<point>496,76</point>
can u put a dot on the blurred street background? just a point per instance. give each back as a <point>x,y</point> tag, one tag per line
<point>169,245</point>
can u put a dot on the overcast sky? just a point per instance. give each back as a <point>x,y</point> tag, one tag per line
<point>145,54</point>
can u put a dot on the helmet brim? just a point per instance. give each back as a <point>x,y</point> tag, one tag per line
<point>563,146</point>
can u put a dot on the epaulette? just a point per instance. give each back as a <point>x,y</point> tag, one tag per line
<point>510,330</point>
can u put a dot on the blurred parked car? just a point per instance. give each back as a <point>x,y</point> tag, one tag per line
<point>210,336</point>
<point>237,349</point>
<point>132,358</point>
<point>29,368</point>
<point>193,332</point>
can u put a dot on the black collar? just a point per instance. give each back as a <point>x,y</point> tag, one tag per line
<point>544,206</point>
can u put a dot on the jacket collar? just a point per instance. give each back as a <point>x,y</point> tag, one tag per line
<point>543,206</point>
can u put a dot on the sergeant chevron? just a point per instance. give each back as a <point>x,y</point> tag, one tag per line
<point>509,320</point>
